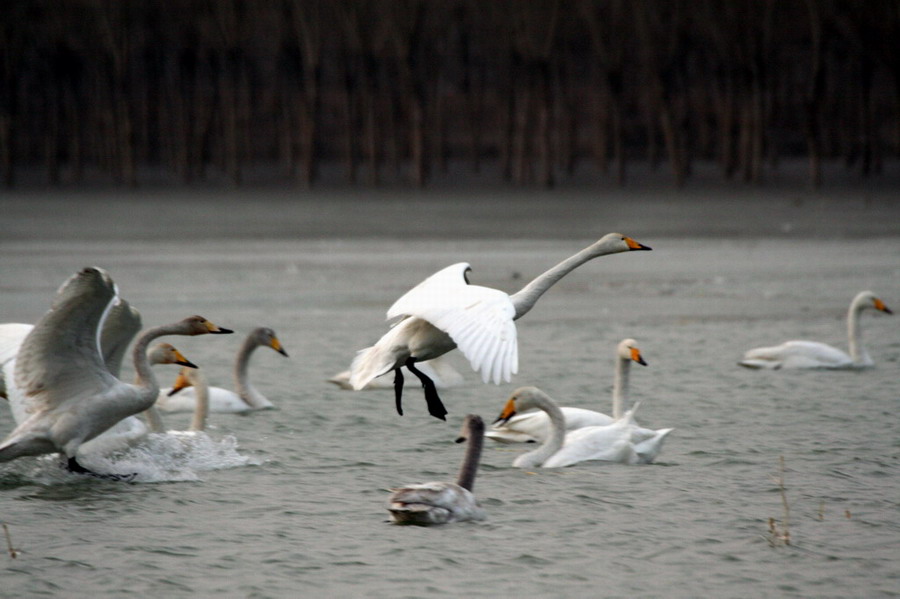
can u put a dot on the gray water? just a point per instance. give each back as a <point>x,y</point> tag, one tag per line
<point>291,501</point>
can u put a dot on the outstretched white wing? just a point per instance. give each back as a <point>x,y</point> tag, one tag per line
<point>478,319</point>
<point>60,358</point>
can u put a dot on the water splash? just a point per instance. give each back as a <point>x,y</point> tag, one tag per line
<point>172,457</point>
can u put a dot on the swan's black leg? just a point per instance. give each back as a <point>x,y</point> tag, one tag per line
<point>398,390</point>
<point>435,406</point>
<point>74,467</point>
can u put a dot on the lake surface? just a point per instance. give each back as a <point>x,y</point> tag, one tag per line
<point>291,502</point>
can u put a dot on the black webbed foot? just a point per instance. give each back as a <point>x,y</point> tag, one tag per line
<point>74,467</point>
<point>435,405</point>
<point>398,390</point>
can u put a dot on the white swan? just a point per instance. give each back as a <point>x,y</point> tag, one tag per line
<point>444,312</point>
<point>221,400</point>
<point>72,396</point>
<point>189,378</point>
<point>622,441</point>
<point>534,426</point>
<point>813,354</point>
<point>442,502</point>
<point>439,370</point>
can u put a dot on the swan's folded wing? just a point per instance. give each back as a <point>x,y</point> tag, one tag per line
<point>61,358</point>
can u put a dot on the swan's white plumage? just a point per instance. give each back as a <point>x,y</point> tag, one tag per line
<point>623,441</point>
<point>438,370</point>
<point>534,425</point>
<point>814,354</point>
<point>478,319</point>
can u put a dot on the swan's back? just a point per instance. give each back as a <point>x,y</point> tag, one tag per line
<point>796,354</point>
<point>433,503</point>
<point>534,426</point>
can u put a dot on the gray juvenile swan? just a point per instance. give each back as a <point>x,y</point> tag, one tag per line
<point>442,502</point>
<point>813,354</point>
<point>444,312</point>
<point>244,398</point>
<point>72,396</point>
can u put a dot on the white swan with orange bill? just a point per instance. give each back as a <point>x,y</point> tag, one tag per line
<point>813,354</point>
<point>444,312</point>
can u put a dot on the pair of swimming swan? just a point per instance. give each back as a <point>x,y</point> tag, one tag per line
<point>813,354</point>
<point>534,426</point>
<point>442,502</point>
<point>244,398</point>
<point>444,312</point>
<point>623,441</point>
<point>71,396</point>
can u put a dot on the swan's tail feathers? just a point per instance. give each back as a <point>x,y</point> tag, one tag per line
<point>648,449</point>
<point>368,364</point>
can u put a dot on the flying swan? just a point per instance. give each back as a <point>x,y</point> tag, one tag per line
<point>442,502</point>
<point>813,354</point>
<point>623,441</point>
<point>534,426</point>
<point>72,396</point>
<point>444,312</point>
<point>244,398</point>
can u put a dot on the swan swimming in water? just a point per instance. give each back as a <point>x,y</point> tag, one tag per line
<point>189,378</point>
<point>72,397</point>
<point>221,400</point>
<point>534,426</point>
<point>444,312</point>
<point>442,502</point>
<point>622,441</point>
<point>813,354</point>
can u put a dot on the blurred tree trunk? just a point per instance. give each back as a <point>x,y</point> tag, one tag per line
<point>813,97</point>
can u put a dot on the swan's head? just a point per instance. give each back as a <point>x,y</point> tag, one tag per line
<point>266,337</point>
<point>628,350</point>
<point>614,243</point>
<point>867,299</point>
<point>472,427</point>
<point>521,400</point>
<point>187,377</point>
<point>197,325</point>
<point>165,353</point>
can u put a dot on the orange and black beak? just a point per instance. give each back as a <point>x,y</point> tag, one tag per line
<point>509,410</point>
<point>276,345</point>
<point>879,305</point>
<point>181,360</point>
<point>634,245</point>
<point>637,357</point>
<point>181,382</point>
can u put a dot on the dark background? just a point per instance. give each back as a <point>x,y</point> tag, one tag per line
<point>373,92</point>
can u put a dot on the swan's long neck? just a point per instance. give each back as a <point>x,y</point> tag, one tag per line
<point>154,420</point>
<point>554,442</point>
<point>857,352</point>
<point>467,471</point>
<point>201,409</point>
<point>145,380</point>
<point>525,299</point>
<point>242,385</point>
<point>620,387</point>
